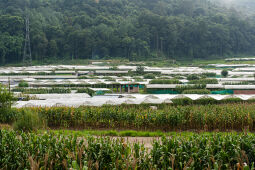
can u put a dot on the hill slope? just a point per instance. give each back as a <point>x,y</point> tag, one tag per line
<point>134,29</point>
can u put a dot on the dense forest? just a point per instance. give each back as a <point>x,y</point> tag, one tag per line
<point>132,29</point>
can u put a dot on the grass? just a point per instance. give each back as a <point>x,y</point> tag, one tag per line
<point>125,133</point>
<point>5,126</point>
<point>130,133</point>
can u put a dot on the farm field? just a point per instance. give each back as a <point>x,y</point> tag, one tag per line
<point>224,151</point>
<point>127,116</point>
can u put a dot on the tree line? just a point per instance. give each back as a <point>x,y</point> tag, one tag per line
<point>131,29</point>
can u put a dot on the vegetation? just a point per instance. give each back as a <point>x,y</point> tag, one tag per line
<point>224,73</point>
<point>123,133</point>
<point>6,100</point>
<point>23,84</point>
<point>28,121</point>
<point>181,88</point>
<point>204,81</point>
<point>135,30</point>
<point>165,81</point>
<point>149,76</point>
<point>197,91</point>
<point>213,151</point>
<point>42,90</point>
<point>86,90</point>
<point>193,77</point>
<point>140,69</point>
<point>202,114</point>
<point>209,74</point>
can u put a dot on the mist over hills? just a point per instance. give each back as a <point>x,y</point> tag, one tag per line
<point>132,29</point>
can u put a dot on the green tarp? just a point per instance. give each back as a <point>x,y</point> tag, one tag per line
<point>223,92</point>
<point>162,91</point>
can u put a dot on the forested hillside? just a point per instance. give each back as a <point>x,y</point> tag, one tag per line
<point>132,29</point>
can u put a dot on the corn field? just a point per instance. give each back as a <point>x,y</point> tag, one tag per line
<point>140,117</point>
<point>47,151</point>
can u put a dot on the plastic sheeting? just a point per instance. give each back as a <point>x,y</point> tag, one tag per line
<point>114,100</point>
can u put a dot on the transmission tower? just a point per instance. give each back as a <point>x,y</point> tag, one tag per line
<point>27,57</point>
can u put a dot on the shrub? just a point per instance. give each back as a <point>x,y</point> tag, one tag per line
<point>42,90</point>
<point>86,90</point>
<point>165,81</point>
<point>204,81</point>
<point>6,100</point>
<point>140,69</point>
<point>209,74</point>
<point>224,73</point>
<point>193,77</point>
<point>181,88</point>
<point>28,121</point>
<point>149,76</point>
<point>183,101</point>
<point>23,84</point>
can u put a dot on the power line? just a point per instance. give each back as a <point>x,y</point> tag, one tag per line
<point>27,57</point>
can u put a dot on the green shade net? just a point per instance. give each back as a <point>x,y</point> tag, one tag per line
<point>161,91</point>
<point>223,92</point>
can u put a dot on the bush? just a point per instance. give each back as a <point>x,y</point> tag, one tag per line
<point>183,101</point>
<point>165,81</point>
<point>209,74</point>
<point>42,90</point>
<point>149,76</point>
<point>193,77</point>
<point>181,88</point>
<point>86,90</point>
<point>224,73</point>
<point>23,84</point>
<point>6,100</point>
<point>28,121</point>
<point>204,81</point>
<point>197,91</point>
<point>140,69</point>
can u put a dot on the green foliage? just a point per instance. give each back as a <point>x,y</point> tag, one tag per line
<point>6,100</point>
<point>42,90</point>
<point>23,84</point>
<point>165,81</point>
<point>193,77</point>
<point>45,151</point>
<point>140,69</point>
<point>86,90</point>
<point>184,114</point>
<point>113,68</point>
<point>209,74</point>
<point>149,76</point>
<point>224,73</point>
<point>197,91</point>
<point>158,30</point>
<point>28,121</point>
<point>204,81</point>
<point>181,88</point>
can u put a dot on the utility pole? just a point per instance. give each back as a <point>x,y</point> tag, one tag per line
<point>27,57</point>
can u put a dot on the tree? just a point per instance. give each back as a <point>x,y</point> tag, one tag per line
<point>6,100</point>
<point>140,69</point>
<point>224,73</point>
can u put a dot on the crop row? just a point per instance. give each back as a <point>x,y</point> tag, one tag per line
<point>140,117</point>
<point>41,90</point>
<point>47,151</point>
